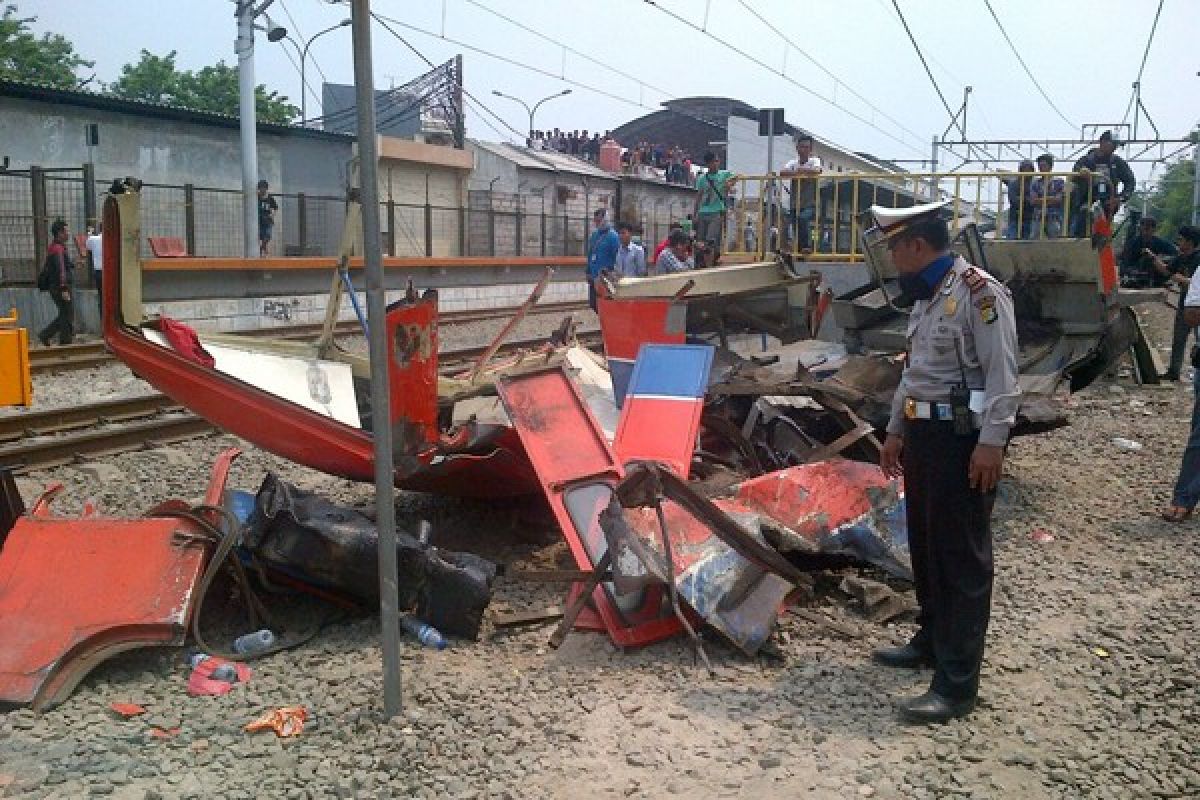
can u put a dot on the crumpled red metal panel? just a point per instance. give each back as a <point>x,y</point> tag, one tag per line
<point>74,592</point>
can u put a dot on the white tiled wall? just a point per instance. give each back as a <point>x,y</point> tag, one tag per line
<point>252,313</point>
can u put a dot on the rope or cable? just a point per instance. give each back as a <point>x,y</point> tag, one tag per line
<point>1145,55</point>
<point>1025,66</point>
<point>953,117</point>
<point>296,28</point>
<point>569,49</point>
<point>772,70</point>
<point>792,44</point>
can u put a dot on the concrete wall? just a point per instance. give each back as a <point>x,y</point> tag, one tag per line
<point>653,206</point>
<point>154,150</point>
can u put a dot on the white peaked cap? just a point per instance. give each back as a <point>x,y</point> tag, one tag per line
<point>892,221</point>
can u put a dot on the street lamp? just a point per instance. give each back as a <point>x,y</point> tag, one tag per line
<point>303,57</point>
<point>536,105</point>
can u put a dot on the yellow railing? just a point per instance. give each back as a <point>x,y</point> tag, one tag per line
<point>818,218</point>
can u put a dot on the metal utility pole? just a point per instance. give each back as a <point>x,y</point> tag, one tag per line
<point>385,509</point>
<point>1196,185</point>
<point>303,57</point>
<point>933,166</point>
<point>246,111</point>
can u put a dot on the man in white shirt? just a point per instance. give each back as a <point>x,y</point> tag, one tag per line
<point>1187,485</point>
<point>93,246</point>
<point>804,170</point>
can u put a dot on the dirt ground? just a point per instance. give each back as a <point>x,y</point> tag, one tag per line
<point>1089,688</point>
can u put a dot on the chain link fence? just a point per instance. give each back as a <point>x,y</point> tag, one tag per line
<point>209,222</point>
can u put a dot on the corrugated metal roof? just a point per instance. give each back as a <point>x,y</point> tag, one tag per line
<point>518,155</point>
<point>32,90</point>
<point>553,161</point>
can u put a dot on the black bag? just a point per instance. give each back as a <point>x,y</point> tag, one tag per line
<point>47,279</point>
<point>1196,356</point>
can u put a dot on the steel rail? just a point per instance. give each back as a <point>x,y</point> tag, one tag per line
<point>57,420</point>
<point>92,354</point>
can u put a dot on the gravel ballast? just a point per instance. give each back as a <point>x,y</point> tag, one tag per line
<point>1089,687</point>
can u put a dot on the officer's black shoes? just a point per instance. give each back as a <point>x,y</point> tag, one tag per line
<point>903,657</point>
<point>932,708</point>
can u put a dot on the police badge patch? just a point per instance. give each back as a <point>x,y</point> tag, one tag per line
<point>987,309</point>
<point>975,282</point>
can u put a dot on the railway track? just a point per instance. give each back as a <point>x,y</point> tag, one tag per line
<point>41,439</point>
<point>92,354</point>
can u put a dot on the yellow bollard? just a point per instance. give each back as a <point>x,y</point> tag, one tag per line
<point>16,388</point>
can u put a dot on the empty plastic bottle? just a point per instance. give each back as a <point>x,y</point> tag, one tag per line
<point>251,644</point>
<point>425,633</point>
<point>225,672</point>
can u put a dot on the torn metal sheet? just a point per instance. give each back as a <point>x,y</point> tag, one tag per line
<point>75,592</point>
<point>836,507</point>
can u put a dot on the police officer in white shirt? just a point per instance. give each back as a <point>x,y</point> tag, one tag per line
<point>951,416</point>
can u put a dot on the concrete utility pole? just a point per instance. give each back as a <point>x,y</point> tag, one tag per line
<point>244,46</point>
<point>247,112</point>
<point>385,509</point>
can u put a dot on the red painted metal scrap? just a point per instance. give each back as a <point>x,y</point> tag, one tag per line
<point>578,471</point>
<point>74,592</point>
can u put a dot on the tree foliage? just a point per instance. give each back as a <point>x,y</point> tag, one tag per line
<point>157,79</point>
<point>1169,199</point>
<point>25,57</point>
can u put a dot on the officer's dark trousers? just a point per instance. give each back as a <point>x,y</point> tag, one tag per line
<point>950,539</point>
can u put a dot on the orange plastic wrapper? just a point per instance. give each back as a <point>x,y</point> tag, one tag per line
<point>286,721</point>
<point>127,709</point>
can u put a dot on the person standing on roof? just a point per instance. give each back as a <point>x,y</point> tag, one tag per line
<point>803,169</point>
<point>1098,173</point>
<point>60,277</point>
<point>602,249</point>
<point>950,421</point>
<point>1020,210</point>
<point>266,217</point>
<point>712,201</point>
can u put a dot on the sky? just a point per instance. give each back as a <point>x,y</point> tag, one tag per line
<point>848,72</point>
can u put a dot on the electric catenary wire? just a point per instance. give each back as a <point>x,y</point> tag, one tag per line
<point>754,59</point>
<point>379,18</point>
<point>792,44</point>
<point>1145,55</point>
<point>1025,66</point>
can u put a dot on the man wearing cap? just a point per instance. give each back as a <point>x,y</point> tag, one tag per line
<point>950,420</point>
<point>1100,169</point>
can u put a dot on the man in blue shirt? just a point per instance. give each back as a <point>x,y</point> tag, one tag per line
<point>601,252</point>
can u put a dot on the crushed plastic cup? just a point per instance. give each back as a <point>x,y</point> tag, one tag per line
<point>1128,445</point>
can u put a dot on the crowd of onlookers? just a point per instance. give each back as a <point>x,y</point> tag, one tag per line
<point>674,162</point>
<point>1040,203</point>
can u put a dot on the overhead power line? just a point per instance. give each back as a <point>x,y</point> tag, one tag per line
<point>568,48</point>
<point>806,89</point>
<point>1145,55</point>
<point>1025,66</point>
<point>296,28</point>
<point>792,44</point>
<point>381,20</point>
